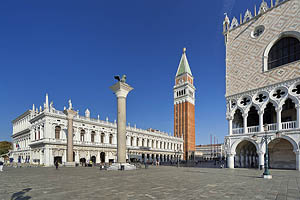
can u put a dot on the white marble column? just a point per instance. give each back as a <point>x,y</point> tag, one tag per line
<point>261,120</point>
<point>298,116</point>
<point>230,118</point>
<point>278,111</point>
<point>297,152</point>
<point>261,159</point>
<point>230,161</point>
<point>77,157</point>
<point>121,91</point>
<point>245,116</point>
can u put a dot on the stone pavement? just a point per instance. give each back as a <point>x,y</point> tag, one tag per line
<point>153,183</point>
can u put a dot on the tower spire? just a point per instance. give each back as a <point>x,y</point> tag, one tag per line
<point>183,66</point>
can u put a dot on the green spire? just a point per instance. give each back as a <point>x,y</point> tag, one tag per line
<point>184,66</point>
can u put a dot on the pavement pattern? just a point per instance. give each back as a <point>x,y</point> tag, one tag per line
<point>154,183</point>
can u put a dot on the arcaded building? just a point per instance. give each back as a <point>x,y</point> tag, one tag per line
<point>40,137</point>
<point>184,107</point>
<point>263,85</point>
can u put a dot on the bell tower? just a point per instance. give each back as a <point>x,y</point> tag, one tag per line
<point>184,107</point>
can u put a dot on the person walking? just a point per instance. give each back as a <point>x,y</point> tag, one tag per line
<point>56,164</point>
<point>1,166</point>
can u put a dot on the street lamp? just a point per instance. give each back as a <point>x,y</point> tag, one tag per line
<point>265,138</point>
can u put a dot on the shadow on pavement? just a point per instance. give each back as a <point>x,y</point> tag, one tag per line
<point>21,195</point>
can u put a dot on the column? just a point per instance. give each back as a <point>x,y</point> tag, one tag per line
<point>298,115</point>
<point>230,161</point>
<point>245,116</point>
<point>278,111</point>
<point>261,159</point>
<point>121,90</point>
<point>70,116</point>
<point>47,157</point>
<point>128,140</point>
<point>297,160</point>
<point>230,118</point>
<point>242,159</point>
<point>261,120</point>
<point>77,157</point>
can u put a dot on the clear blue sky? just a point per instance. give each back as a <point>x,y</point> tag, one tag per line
<point>72,49</point>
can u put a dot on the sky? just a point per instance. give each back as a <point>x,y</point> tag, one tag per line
<point>72,50</point>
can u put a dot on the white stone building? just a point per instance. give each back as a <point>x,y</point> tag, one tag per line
<point>263,85</point>
<point>39,137</point>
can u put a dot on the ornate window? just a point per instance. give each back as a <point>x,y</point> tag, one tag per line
<point>110,138</point>
<point>286,50</point>
<point>57,132</point>
<point>102,137</point>
<point>131,141</point>
<point>93,136</point>
<point>82,133</point>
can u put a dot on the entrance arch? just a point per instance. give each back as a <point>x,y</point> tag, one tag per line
<point>281,154</point>
<point>246,155</point>
<point>102,157</point>
<point>93,159</point>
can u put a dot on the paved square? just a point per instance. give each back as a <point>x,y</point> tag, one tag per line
<point>153,183</point>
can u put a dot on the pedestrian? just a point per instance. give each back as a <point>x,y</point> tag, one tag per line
<point>56,164</point>
<point>1,166</point>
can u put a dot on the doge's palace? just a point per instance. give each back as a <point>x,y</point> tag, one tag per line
<point>263,85</point>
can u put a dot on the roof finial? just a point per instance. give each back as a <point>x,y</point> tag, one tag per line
<point>184,50</point>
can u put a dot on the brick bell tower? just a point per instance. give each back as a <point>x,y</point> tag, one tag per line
<point>184,107</point>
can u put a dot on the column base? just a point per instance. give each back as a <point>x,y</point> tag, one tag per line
<point>267,176</point>
<point>69,164</point>
<point>121,166</point>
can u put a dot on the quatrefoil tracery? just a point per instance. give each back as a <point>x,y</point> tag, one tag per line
<point>260,98</point>
<point>278,94</point>
<point>297,89</point>
<point>245,101</point>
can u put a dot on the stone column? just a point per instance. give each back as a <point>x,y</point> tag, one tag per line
<point>70,116</point>
<point>230,161</point>
<point>278,111</point>
<point>261,159</point>
<point>298,116</point>
<point>297,152</point>
<point>230,118</point>
<point>245,116</point>
<point>121,90</point>
<point>261,120</point>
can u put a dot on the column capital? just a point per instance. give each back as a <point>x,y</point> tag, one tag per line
<point>261,112</point>
<point>278,109</point>
<point>70,113</point>
<point>245,115</point>
<point>121,89</point>
<point>297,106</point>
<point>229,117</point>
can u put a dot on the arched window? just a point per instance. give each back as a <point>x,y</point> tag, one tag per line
<point>82,132</point>
<point>143,142</point>
<point>102,137</point>
<point>284,51</point>
<point>131,141</point>
<point>57,132</point>
<point>137,142</point>
<point>93,136</point>
<point>110,138</point>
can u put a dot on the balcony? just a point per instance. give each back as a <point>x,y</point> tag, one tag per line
<point>271,127</point>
